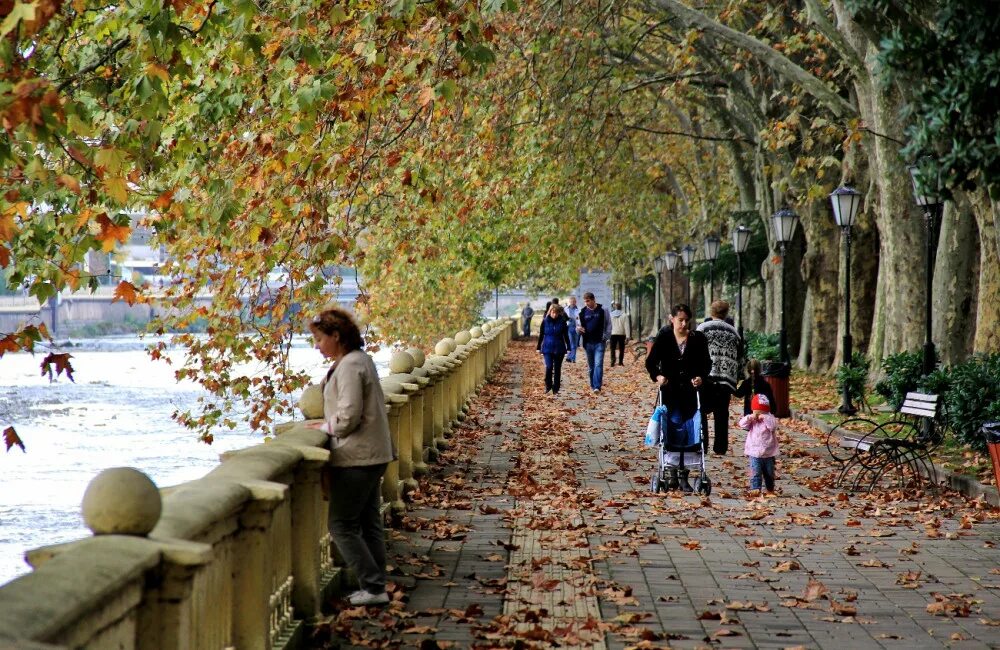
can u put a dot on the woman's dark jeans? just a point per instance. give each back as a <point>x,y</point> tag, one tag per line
<point>553,371</point>
<point>356,522</point>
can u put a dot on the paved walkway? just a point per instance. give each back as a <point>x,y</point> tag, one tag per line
<point>536,529</point>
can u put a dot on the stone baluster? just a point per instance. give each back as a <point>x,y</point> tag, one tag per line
<point>429,372</point>
<point>392,487</point>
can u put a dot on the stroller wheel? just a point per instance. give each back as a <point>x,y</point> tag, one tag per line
<point>654,484</point>
<point>703,485</point>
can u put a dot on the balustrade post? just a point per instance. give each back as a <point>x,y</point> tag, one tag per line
<point>392,488</point>
<point>309,526</point>
<point>252,580</point>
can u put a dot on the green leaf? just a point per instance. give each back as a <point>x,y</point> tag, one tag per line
<point>21,11</point>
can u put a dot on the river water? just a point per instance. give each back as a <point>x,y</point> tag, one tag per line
<point>116,413</point>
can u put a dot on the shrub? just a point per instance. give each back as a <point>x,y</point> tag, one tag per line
<point>855,376</point>
<point>902,375</point>
<point>972,398</point>
<point>761,346</point>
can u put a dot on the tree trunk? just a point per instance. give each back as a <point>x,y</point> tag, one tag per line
<point>955,279</point>
<point>899,300</point>
<point>819,270</point>
<point>987,338</point>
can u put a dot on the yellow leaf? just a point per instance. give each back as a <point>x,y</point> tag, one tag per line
<point>83,218</point>
<point>117,189</point>
<point>153,70</point>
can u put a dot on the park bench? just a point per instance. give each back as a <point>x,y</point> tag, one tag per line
<point>895,453</point>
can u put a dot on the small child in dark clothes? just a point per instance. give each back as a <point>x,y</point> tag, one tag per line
<point>754,384</point>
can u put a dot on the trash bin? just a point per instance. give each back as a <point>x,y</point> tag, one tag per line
<point>991,430</point>
<point>776,374</point>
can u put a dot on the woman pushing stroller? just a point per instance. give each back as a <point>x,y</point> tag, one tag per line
<point>679,362</point>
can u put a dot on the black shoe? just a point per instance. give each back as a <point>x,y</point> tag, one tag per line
<point>672,482</point>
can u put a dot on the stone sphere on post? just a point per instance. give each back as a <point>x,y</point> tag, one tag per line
<point>476,332</point>
<point>487,326</point>
<point>401,362</point>
<point>311,402</point>
<point>121,501</point>
<point>418,357</point>
<point>445,347</point>
<point>463,337</point>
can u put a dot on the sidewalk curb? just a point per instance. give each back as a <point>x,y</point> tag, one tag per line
<point>961,483</point>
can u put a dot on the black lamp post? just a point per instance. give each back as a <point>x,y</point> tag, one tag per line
<point>932,205</point>
<point>783,221</point>
<point>712,244</point>
<point>670,258</point>
<point>741,239</point>
<point>846,201</point>
<point>658,264</point>
<point>687,256</point>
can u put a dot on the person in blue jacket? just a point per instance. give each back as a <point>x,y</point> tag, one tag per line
<point>553,342</point>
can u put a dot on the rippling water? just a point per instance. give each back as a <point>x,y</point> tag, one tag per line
<point>117,413</point>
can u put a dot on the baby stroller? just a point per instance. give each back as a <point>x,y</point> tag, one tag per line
<point>679,448</point>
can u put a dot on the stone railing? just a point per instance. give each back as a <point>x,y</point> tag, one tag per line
<point>240,558</point>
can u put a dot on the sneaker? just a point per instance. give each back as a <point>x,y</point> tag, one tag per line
<point>368,598</point>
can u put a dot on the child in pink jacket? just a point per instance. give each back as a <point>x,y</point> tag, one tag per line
<point>762,442</point>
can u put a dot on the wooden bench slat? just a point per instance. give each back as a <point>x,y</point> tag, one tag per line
<point>922,397</point>
<point>922,412</point>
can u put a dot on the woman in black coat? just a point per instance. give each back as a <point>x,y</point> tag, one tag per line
<point>679,362</point>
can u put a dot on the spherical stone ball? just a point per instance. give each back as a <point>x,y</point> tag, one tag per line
<point>311,402</point>
<point>445,347</point>
<point>121,501</point>
<point>463,337</point>
<point>476,332</point>
<point>487,326</point>
<point>418,357</point>
<point>401,362</point>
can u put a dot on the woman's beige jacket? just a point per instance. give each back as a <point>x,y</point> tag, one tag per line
<point>354,408</point>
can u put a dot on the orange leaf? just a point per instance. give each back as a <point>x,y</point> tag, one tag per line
<point>110,232</point>
<point>69,182</point>
<point>61,362</point>
<point>4,257</point>
<point>8,344</point>
<point>11,438</point>
<point>127,292</point>
<point>163,201</point>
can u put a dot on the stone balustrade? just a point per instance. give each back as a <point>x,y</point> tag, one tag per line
<point>240,558</point>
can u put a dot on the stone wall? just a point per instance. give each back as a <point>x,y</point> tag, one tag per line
<point>240,558</point>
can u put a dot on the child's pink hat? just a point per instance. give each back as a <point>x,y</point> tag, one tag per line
<point>760,403</point>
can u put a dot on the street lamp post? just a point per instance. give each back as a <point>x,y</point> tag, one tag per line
<point>783,221</point>
<point>932,206</point>
<point>741,239</point>
<point>670,258</point>
<point>712,244</point>
<point>846,201</point>
<point>658,264</point>
<point>687,256</point>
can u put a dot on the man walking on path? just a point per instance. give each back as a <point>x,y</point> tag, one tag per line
<point>724,348</point>
<point>619,333</point>
<point>573,314</point>
<point>526,315</point>
<point>595,330</point>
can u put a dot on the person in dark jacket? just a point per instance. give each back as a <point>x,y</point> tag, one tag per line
<point>679,363</point>
<point>754,384</point>
<point>595,330</point>
<point>553,343</point>
<point>724,346</point>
